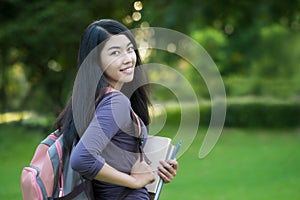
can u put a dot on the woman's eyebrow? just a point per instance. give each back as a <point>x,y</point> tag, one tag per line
<point>113,47</point>
<point>130,43</point>
<point>118,47</point>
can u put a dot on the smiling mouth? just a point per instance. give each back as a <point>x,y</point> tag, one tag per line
<point>126,69</point>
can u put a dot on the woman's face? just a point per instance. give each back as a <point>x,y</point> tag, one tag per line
<point>118,60</point>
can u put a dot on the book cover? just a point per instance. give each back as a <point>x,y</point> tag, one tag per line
<point>157,148</point>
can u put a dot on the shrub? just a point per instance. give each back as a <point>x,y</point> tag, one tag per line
<point>263,114</point>
<point>268,113</point>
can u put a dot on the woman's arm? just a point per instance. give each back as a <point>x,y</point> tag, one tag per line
<point>87,156</point>
<point>88,166</point>
<point>141,175</point>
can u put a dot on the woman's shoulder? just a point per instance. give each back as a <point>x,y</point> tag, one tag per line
<point>114,105</point>
<point>116,98</point>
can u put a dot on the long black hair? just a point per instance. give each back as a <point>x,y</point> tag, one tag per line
<point>95,34</point>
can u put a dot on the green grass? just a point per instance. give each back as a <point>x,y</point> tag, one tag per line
<point>245,164</point>
<point>17,146</point>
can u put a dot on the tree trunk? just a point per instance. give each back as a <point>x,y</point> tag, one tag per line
<point>3,94</point>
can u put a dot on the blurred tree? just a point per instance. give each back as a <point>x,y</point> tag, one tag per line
<point>243,38</point>
<point>42,38</point>
<point>239,21</point>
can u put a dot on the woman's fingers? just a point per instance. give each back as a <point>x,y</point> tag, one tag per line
<point>173,163</point>
<point>167,171</point>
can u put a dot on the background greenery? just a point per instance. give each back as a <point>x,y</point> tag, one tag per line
<point>255,45</point>
<point>248,164</point>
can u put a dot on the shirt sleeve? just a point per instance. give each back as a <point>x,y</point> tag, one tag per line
<point>112,115</point>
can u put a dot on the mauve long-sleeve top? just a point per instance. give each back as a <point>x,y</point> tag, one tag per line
<point>110,138</point>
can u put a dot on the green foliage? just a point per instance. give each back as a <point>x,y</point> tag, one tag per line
<point>213,41</point>
<point>263,113</point>
<point>267,67</point>
<point>255,45</point>
<point>276,57</point>
<point>17,86</point>
<point>246,112</point>
<point>279,87</point>
<point>45,35</point>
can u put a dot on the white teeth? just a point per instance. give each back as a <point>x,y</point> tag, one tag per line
<point>127,70</point>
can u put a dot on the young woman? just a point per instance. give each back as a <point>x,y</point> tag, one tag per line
<point>110,149</point>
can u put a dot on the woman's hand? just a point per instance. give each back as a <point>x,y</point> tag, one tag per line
<point>142,174</point>
<point>168,169</point>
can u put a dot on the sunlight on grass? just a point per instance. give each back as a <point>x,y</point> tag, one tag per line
<point>27,118</point>
<point>14,116</point>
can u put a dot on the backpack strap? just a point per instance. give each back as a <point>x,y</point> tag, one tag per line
<point>84,186</point>
<point>140,137</point>
<point>103,92</point>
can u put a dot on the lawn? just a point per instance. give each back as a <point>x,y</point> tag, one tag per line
<point>245,164</point>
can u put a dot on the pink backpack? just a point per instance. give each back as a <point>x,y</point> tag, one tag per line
<point>48,178</point>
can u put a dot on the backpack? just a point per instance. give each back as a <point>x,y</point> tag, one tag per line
<point>49,178</point>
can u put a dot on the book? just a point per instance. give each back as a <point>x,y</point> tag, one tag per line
<point>157,148</point>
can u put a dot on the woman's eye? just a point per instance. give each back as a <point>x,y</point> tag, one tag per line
<point>130,49</point>
<point>115,53</point>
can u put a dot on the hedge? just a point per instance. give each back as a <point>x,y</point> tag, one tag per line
<point>266,113</point>
<point>253,113</point>
<point>263,114</point>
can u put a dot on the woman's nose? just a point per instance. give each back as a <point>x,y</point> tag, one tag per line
<point>127,58</point>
